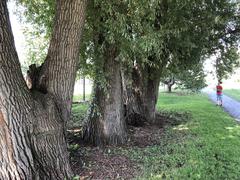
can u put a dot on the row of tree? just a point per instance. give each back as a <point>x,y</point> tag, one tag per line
<point>127,47</point>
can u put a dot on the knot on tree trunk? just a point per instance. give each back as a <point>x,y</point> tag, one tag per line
<point>34,80</point>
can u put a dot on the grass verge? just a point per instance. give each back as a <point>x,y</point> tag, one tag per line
<point>234,93</point>
<point>78,114</point>
<point>205,146</point>
<point>79,97</point>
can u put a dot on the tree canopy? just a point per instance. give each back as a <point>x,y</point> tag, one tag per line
<point>180,32</point>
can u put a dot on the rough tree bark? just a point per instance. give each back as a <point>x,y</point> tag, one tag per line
<point>141,105</point>
<point>105,121</point>
<point>32,142</point>
<point>132,95</point>
<point>151,79</point>
<point>151,96</point>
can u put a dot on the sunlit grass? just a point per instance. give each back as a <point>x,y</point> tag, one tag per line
<point>206,146</point>
<point>79,97</point>
<point>78,114</point>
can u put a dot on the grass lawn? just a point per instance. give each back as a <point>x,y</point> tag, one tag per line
<point>79,97</point>
<point>205,146</point>
<point>78,113</point>
<point>234,93</point>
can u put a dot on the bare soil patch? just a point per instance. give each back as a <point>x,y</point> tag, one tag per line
<point>96,163</point>
<point>100,163</point>
<point>148,135</point>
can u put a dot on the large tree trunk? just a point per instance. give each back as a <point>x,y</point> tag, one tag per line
<point>106,123</point>
<point>142,95</point>
<point>32,142</point>
<point>132,95</point>
<point>150,96</point>
<point>58,73</point>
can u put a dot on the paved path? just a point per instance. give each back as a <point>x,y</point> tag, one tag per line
<point>230,105</point>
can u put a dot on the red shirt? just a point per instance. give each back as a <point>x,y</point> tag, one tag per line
<point>219,89</point>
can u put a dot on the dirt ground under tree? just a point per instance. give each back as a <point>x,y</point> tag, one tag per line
<point>89,162</point>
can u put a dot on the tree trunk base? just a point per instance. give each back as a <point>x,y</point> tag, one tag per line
<point>136,120</point>
<point>48,142</point>
<point>99,131</point>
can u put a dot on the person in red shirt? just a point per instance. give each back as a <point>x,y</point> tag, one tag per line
<point>219,93</point>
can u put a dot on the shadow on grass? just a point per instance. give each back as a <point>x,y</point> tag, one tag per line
<point>125,162</point>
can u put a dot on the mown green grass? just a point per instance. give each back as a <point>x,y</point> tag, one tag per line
<point>78,114</point>
<point>234,93</point>
<point>79,97</point>
<point>79,111</point>
<point>206,146</point>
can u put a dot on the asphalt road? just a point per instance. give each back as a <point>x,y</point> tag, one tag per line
<point>230,105</point>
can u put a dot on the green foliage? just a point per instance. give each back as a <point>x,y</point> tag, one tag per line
<point>40,14</point>
<point>226,62</point>
<point>208,29</point>
<point>226,40</point>
<point>36,48</point>
<point>74,147</point>
<point>151,33</point>
<point>37,18</point>
<point>193,79</point>
<point>111,27</point>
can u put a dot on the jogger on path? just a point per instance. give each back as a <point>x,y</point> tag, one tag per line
<point>219,93</point>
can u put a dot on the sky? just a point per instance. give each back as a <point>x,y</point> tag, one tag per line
<point>17,29</point>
